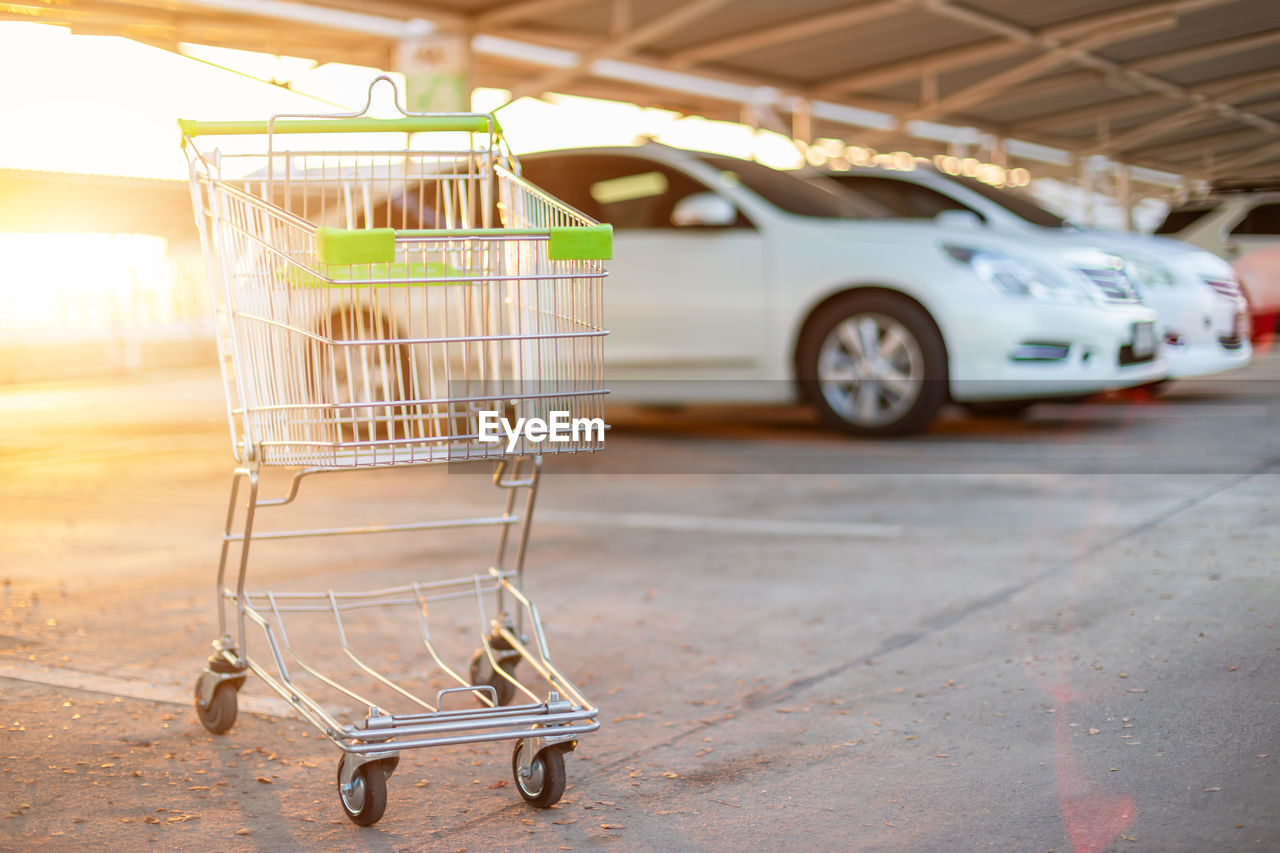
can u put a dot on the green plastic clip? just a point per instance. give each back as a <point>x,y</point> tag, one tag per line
<point>581,243</point>
<point>341,246</point>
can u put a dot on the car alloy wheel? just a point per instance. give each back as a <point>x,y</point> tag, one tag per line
<point>870,369</point>
<point>873,364</point>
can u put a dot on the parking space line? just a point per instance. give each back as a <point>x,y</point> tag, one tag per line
<point>712,524</point>
<point>129,688</point>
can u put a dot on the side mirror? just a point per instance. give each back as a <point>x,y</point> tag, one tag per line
<point>959,219</point>
<point>705,209</point>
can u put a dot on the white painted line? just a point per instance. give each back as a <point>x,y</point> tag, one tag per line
<point>1157,411</point>
<point>130,688</point>
<point>712,524</point>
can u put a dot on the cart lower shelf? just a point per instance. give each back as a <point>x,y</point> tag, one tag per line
<point>534,704</point>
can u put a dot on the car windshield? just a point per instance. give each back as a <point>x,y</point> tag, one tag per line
<point>790,192</point>
<point>1016,204</point>
<point>1183,217</point>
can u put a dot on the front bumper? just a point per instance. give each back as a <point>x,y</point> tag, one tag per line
<point>1046,350</point>
<point>1212,343</point>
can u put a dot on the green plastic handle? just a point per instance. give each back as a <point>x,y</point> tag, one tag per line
<point>408,124</point>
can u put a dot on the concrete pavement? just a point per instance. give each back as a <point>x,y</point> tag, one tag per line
<point>1055,634</point>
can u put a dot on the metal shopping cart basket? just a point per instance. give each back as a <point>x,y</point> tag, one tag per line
<point>387,304</point>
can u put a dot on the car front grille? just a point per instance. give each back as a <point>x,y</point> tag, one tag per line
<point>1223,286</point>
<point>1112,284</point>
<point>1231,342</point>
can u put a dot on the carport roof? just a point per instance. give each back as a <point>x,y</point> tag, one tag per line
<point>1190,87</point>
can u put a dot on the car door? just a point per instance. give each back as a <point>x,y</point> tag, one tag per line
<point>680,300</point>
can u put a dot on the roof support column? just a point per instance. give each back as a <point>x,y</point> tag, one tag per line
<point>801,121</point>
<point>1124,194</point>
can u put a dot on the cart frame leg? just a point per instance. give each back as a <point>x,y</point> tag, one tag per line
<point>233,649</point>
<point>526,525</point>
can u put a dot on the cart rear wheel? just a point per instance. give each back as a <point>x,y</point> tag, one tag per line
<point>366,798</point>
<point>545,785</point>
<point>482,672</point>
<point>220,714</point>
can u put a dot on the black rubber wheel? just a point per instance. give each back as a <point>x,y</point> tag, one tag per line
<point>220,714</point>
<point>482,673</point>
<point>1000,408</point>
<point>365,803</point>
<point>873,364</point>
<point>545,786</point>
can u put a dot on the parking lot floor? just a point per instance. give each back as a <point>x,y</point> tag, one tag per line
<point>1048,634</point>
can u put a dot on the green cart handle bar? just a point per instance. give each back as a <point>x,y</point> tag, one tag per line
<point>342,246</point>
<point>466,123</point>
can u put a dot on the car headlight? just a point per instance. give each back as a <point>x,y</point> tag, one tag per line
<point>1012,277</point>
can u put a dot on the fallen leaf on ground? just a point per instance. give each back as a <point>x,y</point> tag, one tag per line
<point>612,826</point>
<point>636,716</point>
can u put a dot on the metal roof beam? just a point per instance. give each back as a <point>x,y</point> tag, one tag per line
<point>1269,81</point>
<point>986,88</point>
<point>1241,84</point>
<point>1015,39</point>
<point>1188,56</point>
<point>789,30</point>
<point>1142,78</point>
<point>1249,158</point>
<point>1201,144</point>
<point>619,47</point>
<point>519,11</point>
<point>324,17</point>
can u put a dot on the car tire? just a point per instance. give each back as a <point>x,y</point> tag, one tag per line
<point>898,389</point>
<point>368,374</point>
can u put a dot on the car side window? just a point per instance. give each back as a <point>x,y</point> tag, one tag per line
<point>626,192</point>
<point>1262,220</point>
<point>905,200</point>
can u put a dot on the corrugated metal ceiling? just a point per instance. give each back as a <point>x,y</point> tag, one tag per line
<point>1029,69</point>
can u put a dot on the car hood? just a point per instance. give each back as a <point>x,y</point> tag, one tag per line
<point>1154,247</point>
<point>916,234</point>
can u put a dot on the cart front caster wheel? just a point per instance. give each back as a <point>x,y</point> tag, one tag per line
<point>482,672</point>
<point>545,784</point>
<point>220,714</point>
<point>366,799</point>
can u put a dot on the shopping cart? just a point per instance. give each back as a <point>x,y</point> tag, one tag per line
<point>375,302</point>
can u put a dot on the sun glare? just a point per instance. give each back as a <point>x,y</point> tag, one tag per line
<point>119,279</point>
<point>108,105</point>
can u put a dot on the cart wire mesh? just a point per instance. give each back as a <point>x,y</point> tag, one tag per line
<point>371,303</point>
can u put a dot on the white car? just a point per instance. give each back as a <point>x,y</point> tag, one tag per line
<point>1203,318</point>
<point>1240,223</point>
<point>763,285</point>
